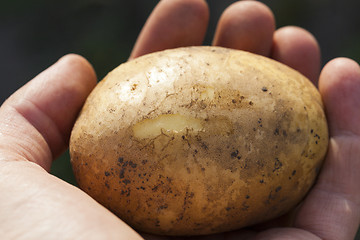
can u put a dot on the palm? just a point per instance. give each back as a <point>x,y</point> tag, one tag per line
<point>33,203</point>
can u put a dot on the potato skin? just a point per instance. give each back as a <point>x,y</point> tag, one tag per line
<point>199,140</point>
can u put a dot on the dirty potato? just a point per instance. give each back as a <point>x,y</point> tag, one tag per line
<point>199,140</point>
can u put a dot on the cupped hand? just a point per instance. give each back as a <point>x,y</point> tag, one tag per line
<point>35,124</point>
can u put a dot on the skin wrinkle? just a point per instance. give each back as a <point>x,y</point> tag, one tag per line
<point>25,200</point>
<point>337,196</point>
<point>286,234</point>
<point>343,148</point>
<point>334,229</point>
<point>46,127</point>
<point>341,204</point>
<point>23,147</point>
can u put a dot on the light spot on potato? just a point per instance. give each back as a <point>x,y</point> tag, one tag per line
<point>208,94</point>
<point>167,123</point>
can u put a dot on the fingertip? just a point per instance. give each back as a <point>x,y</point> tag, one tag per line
<point>344,68</point>
<point>339,86</point>
<point>339,74</point>
<point>246,25</point>
<point>79,65</point>
<point>173,23</point>
<point>299,49</point>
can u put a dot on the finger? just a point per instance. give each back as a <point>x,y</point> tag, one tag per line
<point>285,233</point>
<point>36,120</point>
<point>246,25</point>
<point>340,89</point>
<point>332,208</point>
<point>173,23</point>
<point>298,49</point>
<point>243,234</point>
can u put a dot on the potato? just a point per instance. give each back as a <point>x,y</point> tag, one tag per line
<point>199,140</point>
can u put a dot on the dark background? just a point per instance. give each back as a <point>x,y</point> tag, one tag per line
<point>35,33</point>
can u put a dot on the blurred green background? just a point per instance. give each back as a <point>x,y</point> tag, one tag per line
<point>35,33</point>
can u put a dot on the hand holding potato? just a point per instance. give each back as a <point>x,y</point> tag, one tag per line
<point>36,122</point>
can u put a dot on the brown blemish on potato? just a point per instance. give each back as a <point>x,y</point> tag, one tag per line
<point>133,87</point>
<point>235,154</point>
<point>277,165</point>
<point>245,206</point>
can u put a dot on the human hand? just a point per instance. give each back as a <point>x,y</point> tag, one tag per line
<point>36,122</point>
<point>332,209</point>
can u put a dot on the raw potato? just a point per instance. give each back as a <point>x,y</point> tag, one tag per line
<point>199,140</point>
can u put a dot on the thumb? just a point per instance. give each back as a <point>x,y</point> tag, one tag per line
<point>36,121</point>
